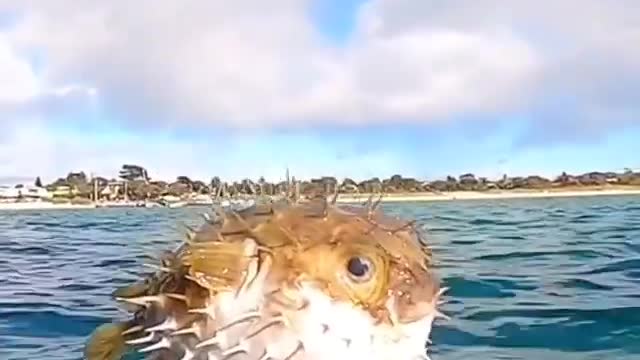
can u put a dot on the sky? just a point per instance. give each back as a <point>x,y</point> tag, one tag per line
<point>346,88</point>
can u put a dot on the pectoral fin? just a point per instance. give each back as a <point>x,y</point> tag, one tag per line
<point>107,342</point>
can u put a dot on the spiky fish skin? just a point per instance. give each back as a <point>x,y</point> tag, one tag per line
<point>279,282</point>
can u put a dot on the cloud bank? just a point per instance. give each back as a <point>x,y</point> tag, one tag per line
<point>36,149</point>
<point>252,63</point>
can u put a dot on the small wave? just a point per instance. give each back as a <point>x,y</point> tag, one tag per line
<point>616,266</point>
<point>584,284</point>
<point>544,279</point>
<point>531,254</point>
<point>466,288</point>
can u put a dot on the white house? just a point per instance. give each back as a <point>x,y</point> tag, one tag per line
<point>12,192</point>
<point>34,192</point>
<point>9,192</point>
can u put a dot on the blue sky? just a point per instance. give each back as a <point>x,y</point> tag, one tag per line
<point>350,88</point>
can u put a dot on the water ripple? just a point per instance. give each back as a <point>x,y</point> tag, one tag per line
<point>530,279</point>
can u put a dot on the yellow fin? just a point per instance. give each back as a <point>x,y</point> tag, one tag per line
<point>106,342</point>
<point>220,264</point>
<point>136,289</point>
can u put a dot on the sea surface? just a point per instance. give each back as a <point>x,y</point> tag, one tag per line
<point>530,279</point>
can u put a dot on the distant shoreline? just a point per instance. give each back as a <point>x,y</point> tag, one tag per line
<point>43,205</point>
<point>391,197</point>
<point>490,195</point>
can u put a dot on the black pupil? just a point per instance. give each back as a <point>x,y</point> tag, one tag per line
<point>358,267</point>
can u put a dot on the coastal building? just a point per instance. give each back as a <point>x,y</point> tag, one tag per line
<point>34,192</point>
<point>110,190</point>
<point>14,192</point>
<point>9,192</point>
<point>64,191</point>
<point>349,188</point>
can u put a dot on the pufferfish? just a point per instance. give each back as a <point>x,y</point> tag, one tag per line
<point>288,280</point>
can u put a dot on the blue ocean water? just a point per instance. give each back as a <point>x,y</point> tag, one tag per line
<point>530,279</point>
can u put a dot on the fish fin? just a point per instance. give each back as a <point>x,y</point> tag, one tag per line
<point>136,289</point>
<point>107,342</point>
<point>219,265</point>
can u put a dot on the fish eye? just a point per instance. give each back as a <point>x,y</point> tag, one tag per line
<point>360,268</point>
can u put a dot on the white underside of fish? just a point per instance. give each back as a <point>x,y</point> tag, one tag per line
<point>241,325</point>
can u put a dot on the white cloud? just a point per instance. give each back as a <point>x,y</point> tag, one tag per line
<point>33,149</point>
<point>23,94</point>
<point>584,56</point>
<point>17,80</point>
<point>257,63</point>
<point>249,64</point>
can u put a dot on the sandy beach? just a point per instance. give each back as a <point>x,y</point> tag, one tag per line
<point>399,197</point>
<point>43,205</point>
<point>493,195</point>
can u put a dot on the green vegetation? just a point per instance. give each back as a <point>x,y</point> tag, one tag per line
<point>140,186</point>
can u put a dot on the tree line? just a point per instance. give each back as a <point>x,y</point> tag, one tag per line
<point>141,186</point>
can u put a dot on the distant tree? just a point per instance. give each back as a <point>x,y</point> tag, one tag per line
<point>184,180</point>
<point>77,178</point>
<point>215,182</point>
<point>565,179</point>
<point>187,182</point>
<point>59,182</point>
<point>134,172</point>
<point>439,185</point>
<point>411,185</point>
<point>216,185</point>
<point>467,179</point>
<point>348,182</point>
<point>452,183</point>
<point>247,186</point>
<point>199,187</point>
<point>373,185</point>
<point>38,182</point>
<point>537,182</point>
<point>262,185</point>
<point>155,189</point>
<point>137,190</point>
<point>348,185</point>
<point>178,189</point>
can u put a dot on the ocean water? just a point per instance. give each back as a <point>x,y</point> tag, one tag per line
<point>530,279</point>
